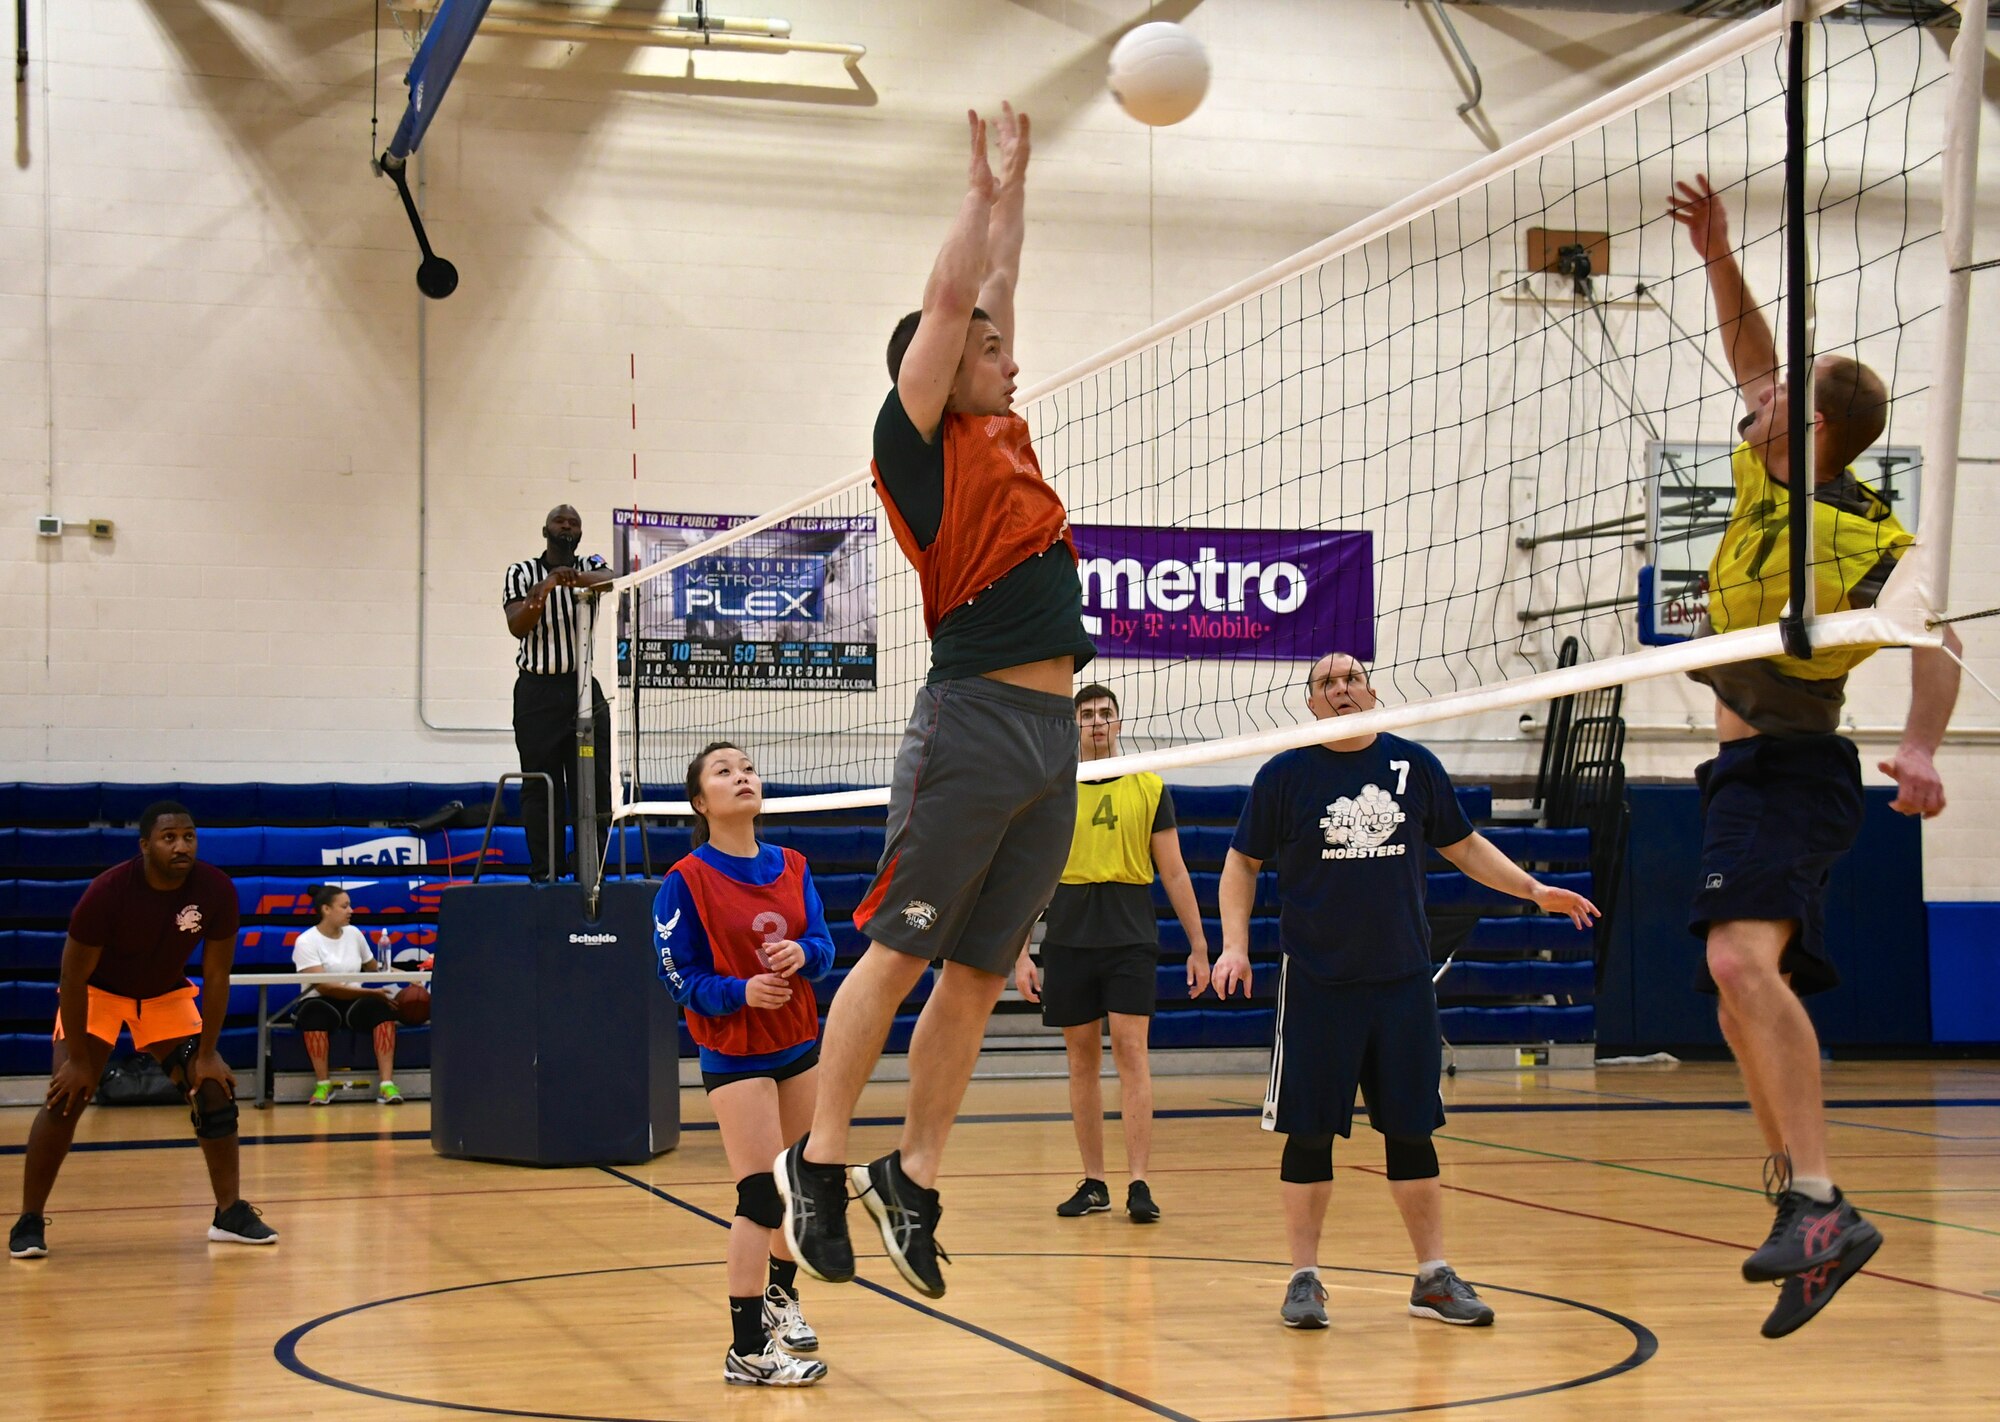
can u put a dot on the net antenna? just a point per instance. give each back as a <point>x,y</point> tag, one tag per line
<point>1389,390</point>
<point>444,45</point>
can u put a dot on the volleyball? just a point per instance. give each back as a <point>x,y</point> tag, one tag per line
<point>1159,73</point>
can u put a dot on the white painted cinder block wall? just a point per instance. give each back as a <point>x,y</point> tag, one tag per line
<point>209,332</point>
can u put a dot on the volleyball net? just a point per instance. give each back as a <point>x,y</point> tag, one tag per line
<point>1489,418</point>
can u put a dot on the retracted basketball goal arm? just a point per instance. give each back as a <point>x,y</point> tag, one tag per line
<point>444,45</point>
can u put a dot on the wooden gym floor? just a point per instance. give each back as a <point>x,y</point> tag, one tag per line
<point>1602,1213</point>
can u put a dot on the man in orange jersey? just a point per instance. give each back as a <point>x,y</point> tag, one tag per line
<point>983,798</point>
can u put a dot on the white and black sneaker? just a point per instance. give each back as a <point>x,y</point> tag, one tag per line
<point>907,1214</point>
<point>785,1324</point>
<point>773,1367</point>
<point>241,1223</point>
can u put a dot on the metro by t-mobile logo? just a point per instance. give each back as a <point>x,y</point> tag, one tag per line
<point>1175,585</point>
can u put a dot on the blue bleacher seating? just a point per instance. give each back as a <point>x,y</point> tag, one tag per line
<point>215,802</point>
<point>1529,933</point>
<point>1466,1025</point>
<point>47,898</point>
<point>296,804</point>
<point>232,846</point>
<point>25,1054</point>
<point>1454,893</point>
<point>1238,1027</point>
<point>10,898</point>
<point>42,804</point>
<point>30,950</point>
<point>122,803</point>
<point>1176,1029</point>
<point>840,893</point>
<point>10,802</point>
<point>359,804</point>
<point>80,849</point>
<point>1530,978</point>
<point>32,1002</point>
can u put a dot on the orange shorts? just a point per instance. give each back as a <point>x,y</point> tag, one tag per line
<point>152,1019</point>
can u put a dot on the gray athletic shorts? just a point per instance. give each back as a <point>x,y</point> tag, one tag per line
<point>981,811</point>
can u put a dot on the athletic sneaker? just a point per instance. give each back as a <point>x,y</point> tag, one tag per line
<point>25,1240</point>
<point>1449,1299</point>
<point>389,1095</point>
<point>1305,1302</point>
<point>1802,1296</point>
<point>1139,1204</point>
<point>773,1367</point>
<point>1807,1234</point>
<point>815,1199</point>
<point>322,1094</point>
<point>785,1324</point>
<point>1091,1197</point>
<point>907,1214</point>
<point>241,1223</point>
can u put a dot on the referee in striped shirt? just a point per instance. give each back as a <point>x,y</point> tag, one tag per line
<point>540,602</point>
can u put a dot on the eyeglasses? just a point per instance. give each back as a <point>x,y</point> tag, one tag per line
<point>1085,718</point>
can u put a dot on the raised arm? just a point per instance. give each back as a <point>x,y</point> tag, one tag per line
<point>1006,226</point>
<point>1746,335</point>
<point>1476,858</point>
<point>1933,692</point>
<point>949,296</point>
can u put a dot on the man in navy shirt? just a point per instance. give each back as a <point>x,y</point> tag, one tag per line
<point>1350,825</point>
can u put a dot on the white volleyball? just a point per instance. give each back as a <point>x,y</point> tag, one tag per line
<point>1159,73</point>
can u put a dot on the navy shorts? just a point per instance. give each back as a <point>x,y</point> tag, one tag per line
<point>1777,814</point>
<point>797,1066</point>
<point>982,807</point>
<point>1332,1038</point>
<point>1081,985</point>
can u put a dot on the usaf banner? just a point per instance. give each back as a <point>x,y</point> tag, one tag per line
<point>1214,592</point>
<point>789,609</point>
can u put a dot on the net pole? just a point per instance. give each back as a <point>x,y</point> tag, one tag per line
<point>1927,584</point>
<point>586,751</point>
<point>1802,478</point>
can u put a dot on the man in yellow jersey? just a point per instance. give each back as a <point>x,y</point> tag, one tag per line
<point>1102,951</point>
<point>1781,801</point>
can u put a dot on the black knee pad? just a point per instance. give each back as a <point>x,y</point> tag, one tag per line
<point>213,1112</point>
<point>177,1060</point>
<point>757,1200</point>
<point>1410,1157</point>
<point>1308,1160</point>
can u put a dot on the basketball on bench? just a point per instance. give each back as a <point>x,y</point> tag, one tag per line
<point>413,1005</point>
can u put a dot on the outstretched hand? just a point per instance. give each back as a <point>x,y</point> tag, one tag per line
<point>1696,207</point>
<point>1014,146</point>
<point>1579,910</point>
<point>979,174</point>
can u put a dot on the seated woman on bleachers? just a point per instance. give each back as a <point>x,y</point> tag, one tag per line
<point>740,932</point>
<point>334,945</point>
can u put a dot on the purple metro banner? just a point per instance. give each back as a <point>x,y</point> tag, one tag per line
<point>1215,592</point>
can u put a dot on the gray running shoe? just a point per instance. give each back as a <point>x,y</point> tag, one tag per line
<point>1449,1299</point>
<point>1305,1302</point>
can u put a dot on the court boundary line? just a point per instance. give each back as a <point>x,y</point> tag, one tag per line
<point>1183,1113</point>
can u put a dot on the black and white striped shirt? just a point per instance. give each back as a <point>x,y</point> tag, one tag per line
<point>549,649</point>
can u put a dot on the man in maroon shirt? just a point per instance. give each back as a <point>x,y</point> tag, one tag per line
<point>125,965</point>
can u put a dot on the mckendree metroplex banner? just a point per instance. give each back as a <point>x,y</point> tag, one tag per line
<point>789,609</point>
<point>1214,592</point>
